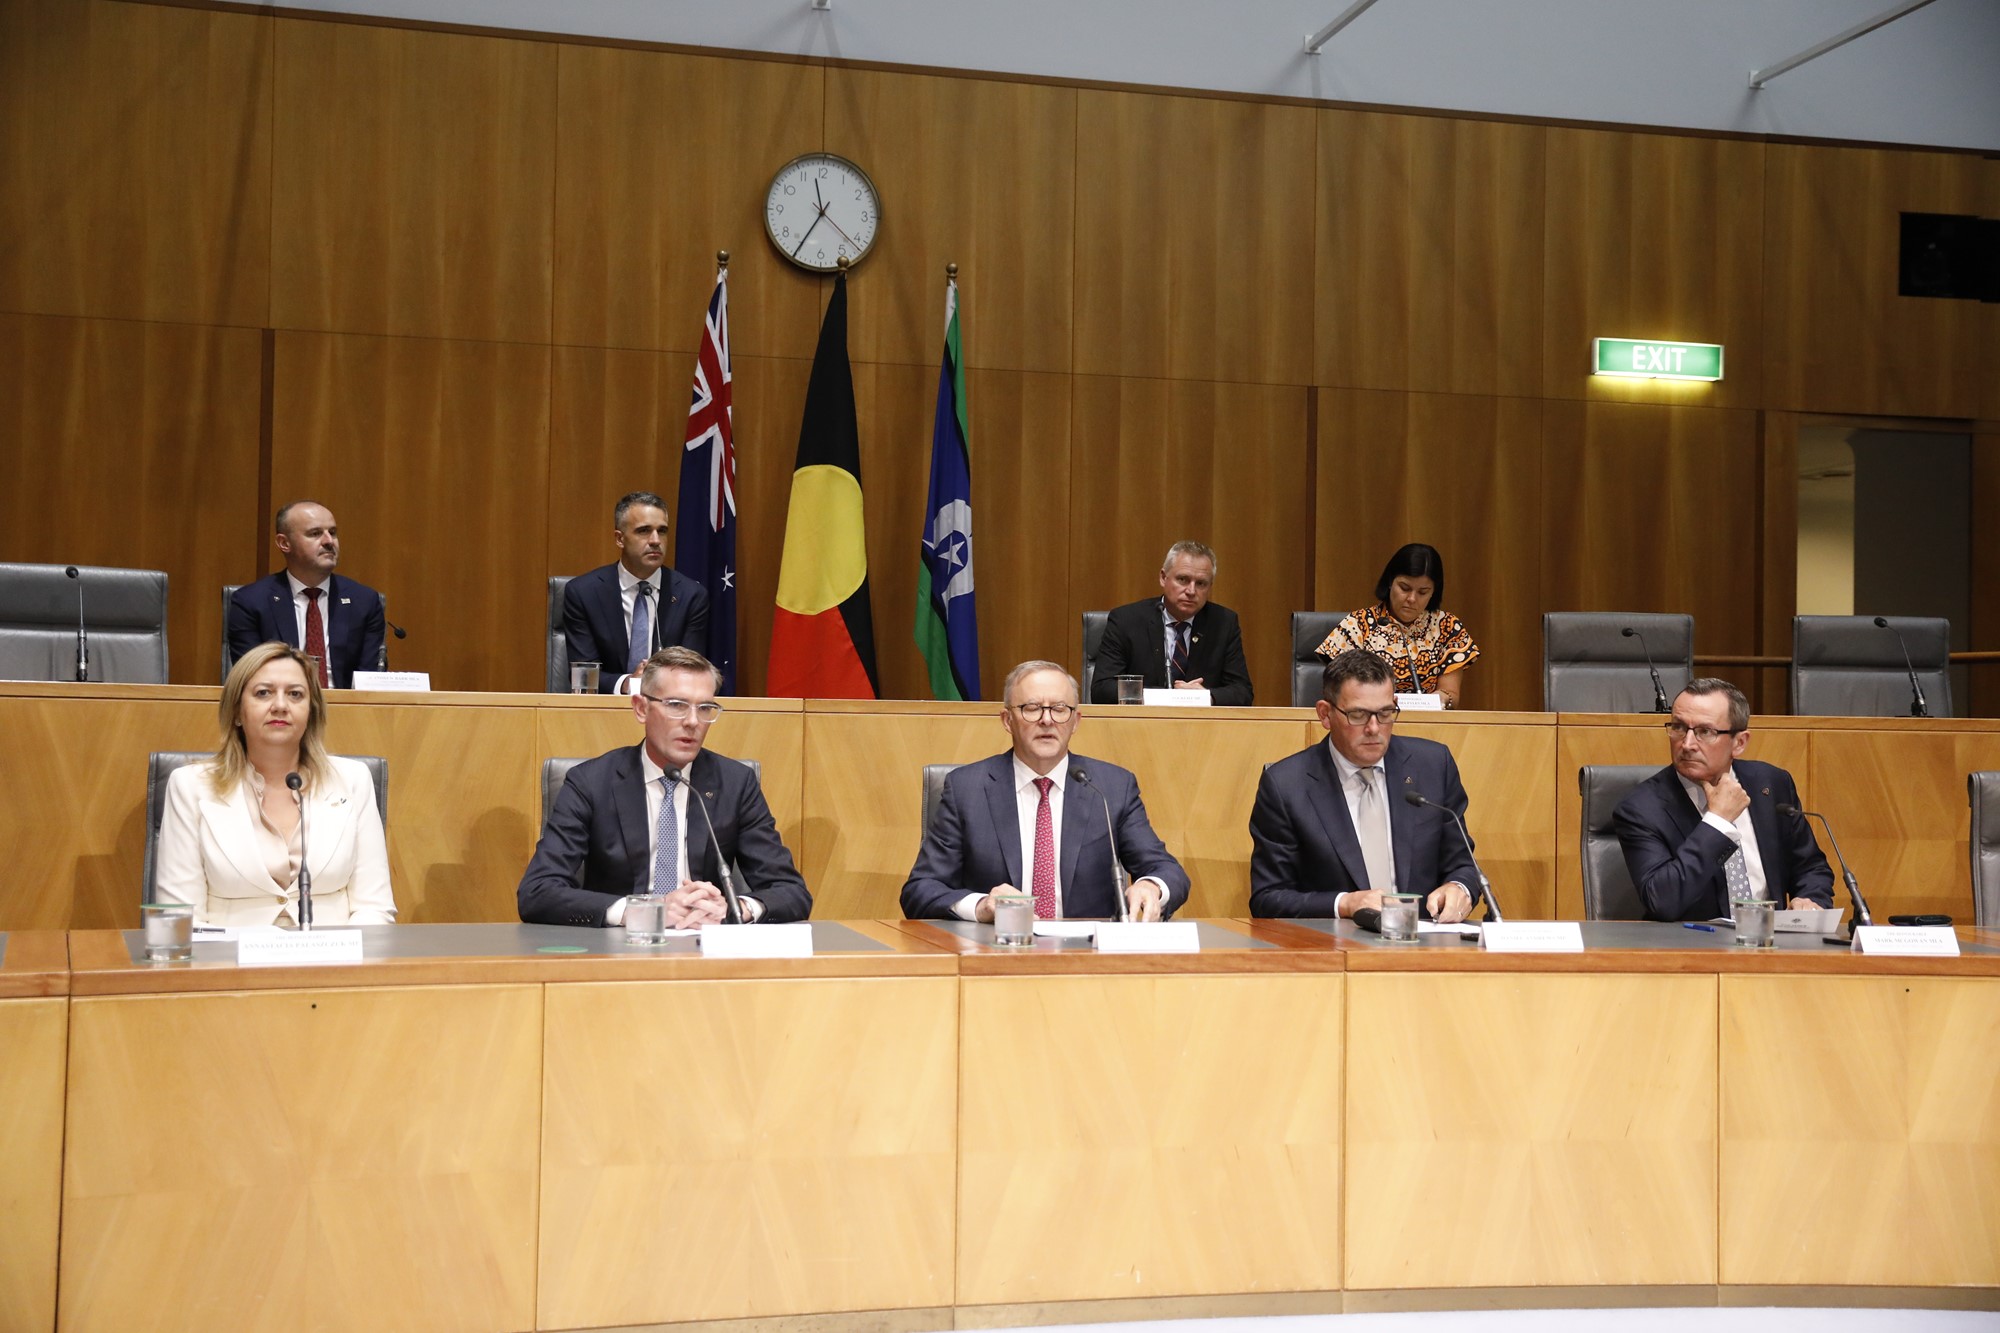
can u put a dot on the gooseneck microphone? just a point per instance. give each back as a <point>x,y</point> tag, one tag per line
<point>1660,704</point>
<point>1120,881</point>
<point>82,635</point>
<point>297,785</point>
<point>382,653</point>
<point>1917,706</point>
<point>1415,797</point>
<point>735,906</point>
<point>1861,917</point>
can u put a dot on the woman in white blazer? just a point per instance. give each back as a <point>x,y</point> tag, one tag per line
<point>230,839</point>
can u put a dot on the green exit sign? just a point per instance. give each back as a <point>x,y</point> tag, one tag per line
<point>1629,358</point>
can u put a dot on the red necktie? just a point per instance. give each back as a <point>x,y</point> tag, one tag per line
<point>1044,882</point>
<point>316,637</point>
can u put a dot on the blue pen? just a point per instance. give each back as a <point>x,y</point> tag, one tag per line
<point>1696,925</point>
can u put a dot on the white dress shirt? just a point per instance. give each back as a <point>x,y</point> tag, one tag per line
<point>628,596</point>
<point>1741,832</point>
<point>656,794</point>
<point>299,604</point>
<point>1167,623</point>
<point>1350,788</point>
<point>1027,807</point>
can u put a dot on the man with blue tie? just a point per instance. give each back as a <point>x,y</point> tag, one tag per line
<point>331,619</point>
<point>620,614</point>
<point>648,818</point>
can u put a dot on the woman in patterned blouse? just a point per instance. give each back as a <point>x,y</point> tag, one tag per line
<point>1428,649</point>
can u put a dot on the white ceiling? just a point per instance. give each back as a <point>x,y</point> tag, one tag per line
<point>1932,77</point>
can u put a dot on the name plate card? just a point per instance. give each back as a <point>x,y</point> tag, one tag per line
<point>1179,698</point>
<point>1910,941</point>
<point>1148,937</point>
<point>295,948</point>
<point>791,939</point>
<point>1531,937</point>
<point>411,682</point>
<point>1420,703</point>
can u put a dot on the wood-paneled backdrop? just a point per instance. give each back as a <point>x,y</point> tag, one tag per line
<point>451,285</point>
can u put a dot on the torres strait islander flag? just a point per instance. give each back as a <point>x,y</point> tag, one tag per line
<point>822,635</point>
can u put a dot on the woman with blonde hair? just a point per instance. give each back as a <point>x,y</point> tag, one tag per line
<point>232,837</point>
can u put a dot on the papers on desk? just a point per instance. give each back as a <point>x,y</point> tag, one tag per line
<point>1462,929</point>
<point>1066,930</point>
<point>1806,921</point>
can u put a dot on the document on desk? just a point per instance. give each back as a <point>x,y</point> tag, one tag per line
<point>1806,921</point>
<point>1463,929</point>
<point>1066,930</point>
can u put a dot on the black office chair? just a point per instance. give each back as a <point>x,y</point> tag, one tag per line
<point>1309,631</point>
<point>557,652</point>
<point>1093,635</point>
<point>1847,666</point>
<point>124,615</point>
<point>1589,664</point>
<point>934,776</point>
<point>1608,892</point>
<point>1983,791</point>
<point>161,764</point>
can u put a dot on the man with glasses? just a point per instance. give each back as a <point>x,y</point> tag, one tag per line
<point>1333,829</point>
<point>1708,823</point>
<point>1037,817</point>
<point>638,820</point>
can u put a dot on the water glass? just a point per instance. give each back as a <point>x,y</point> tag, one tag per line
<point>583,677</point>
<point>1014,919</point>
<point>1755,921</point>
<point>1131,689</point>
<point>646,918</point>
<point>1399,917</point>
<point>169,931</point>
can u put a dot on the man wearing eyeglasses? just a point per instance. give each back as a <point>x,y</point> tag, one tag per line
<point>1708,823</point>
<point>1333,830</point>
<point>638,820</point>
<point>1037,816</point>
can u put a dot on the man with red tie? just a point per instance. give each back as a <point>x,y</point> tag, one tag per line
<point>1042,818</point>
<point>305,604</point>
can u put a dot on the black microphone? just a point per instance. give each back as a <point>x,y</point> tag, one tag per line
<point>1415,797</point>
<point>1120,882</point>
<point>382,653</point>
<point>728,885</point>
<point>82,636</point>
<point>1917,706</point>
<point>293,781</point>
<point>1660,704</point>
<point>1861,917</point>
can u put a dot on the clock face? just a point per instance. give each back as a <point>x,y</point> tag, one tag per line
<point>822,209</point>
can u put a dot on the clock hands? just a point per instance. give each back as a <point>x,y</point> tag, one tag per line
<point>808,232</point>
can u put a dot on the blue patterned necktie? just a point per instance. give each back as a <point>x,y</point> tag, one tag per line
<point>667,848</point>
<point>1180,651</point>
<point>642,628</point>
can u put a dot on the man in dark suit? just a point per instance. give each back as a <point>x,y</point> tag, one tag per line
<point>1178,639</point>
<point>1709,821</point>
<point>602,609</point>
<point>1332,829</point>
<point>306,604</point>
<point>636,820</point>
<point>1037,816</point>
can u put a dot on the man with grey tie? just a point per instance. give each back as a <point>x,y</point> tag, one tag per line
<point>620,614</point>
<point>1709,824</point>
<point>1332,829</point>
<point>648,818</point>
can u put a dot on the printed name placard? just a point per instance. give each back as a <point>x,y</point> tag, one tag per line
<point>791,939</point>
<point>1918,941</point>
<point>294,948</point>
<point>409,682</point>
<point>1148,937</point>
<point>1531,936</point>
<point>1179,698</point>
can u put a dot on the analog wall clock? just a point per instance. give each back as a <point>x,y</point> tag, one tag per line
<point>821,209</point>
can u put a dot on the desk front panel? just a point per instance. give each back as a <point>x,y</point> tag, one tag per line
<point>34,1035</point>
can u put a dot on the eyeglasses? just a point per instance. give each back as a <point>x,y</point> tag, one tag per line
<point>1679,731</point>
<point>1044,712</point>
<point>678,709</point>
<point>1360,717</point>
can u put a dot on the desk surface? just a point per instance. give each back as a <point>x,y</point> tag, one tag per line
<point>33,962</point>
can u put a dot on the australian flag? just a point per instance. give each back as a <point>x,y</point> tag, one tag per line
<point>705,547</point>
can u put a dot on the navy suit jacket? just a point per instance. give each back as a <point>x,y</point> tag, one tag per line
<point>1676,858</point>
<point>1134,644</point>
<point>1303,849</point>
<point>593,850</point>
<point>262,612</point>
<point>594,619</point>
<point>974,842</point>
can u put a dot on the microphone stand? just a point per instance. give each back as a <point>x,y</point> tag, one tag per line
<point>1918,708</point>
<point>293,781</point>
<point>82,635</point>
<point>1660,704</point>
<point>1120,882</point>
<point>734,905</point>
<point>1861,916</point>
<point>1415,797</point>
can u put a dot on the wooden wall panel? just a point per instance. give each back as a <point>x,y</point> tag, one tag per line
<point>1428,268</point>
<point>1661,508</point>
<point>1510,808</point>
<point>1653,236</point>
<point>1985,701</point>
<point>135,162</point>
<point>413,181</point>
<point>981,174</point>
<point>1837,337</point>
<point>433,456</point>
<point>617,421</point>
<point>1194,238</point>
<point>1022,459</point>
<point>1163,460</point>
<point>661,160</point>
<point>34,1042</point>
<point>135,445</point>
<point>1461,473</point>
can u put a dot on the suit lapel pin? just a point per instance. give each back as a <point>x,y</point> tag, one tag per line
<point>1767,791</point>
<point>345,601</point>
